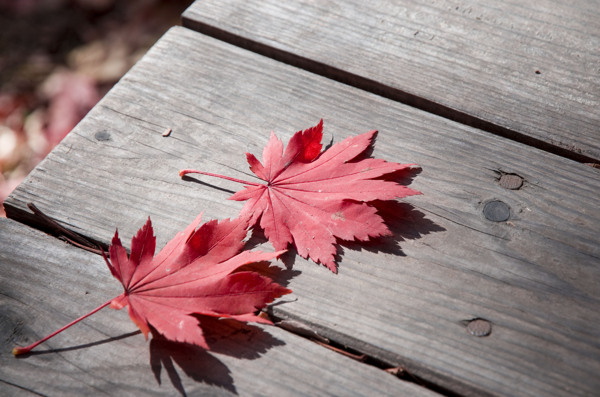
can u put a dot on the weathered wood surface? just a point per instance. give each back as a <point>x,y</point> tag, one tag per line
<point>526,70</point>
<point>404,300</point>
<point>45,284</point>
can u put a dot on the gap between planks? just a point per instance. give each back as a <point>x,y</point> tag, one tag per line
<point>382,90</point>
<point>399,372</point>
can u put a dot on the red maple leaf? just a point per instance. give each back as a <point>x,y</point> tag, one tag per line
<point>193,275</point>
<point>310,197</point>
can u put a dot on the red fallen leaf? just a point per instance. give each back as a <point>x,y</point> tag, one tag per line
<point>194,274</point>
<point>311,197</point>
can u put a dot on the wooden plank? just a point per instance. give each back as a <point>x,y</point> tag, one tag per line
<point>527,71</point>
<point>46,283</point>
<point>403,300</point>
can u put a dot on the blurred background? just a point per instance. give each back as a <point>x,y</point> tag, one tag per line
<point>57,59</point>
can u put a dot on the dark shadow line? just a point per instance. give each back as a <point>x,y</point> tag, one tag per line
<point>198,181</point>
<point>78,347</point>
<point>383,90</point>
<point>22,388</point>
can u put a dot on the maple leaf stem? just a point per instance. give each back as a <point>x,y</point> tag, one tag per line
<point>184,172</point>
<point>23,350</point>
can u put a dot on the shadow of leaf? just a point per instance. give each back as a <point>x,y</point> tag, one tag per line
<point>237,339</point>
<point>404,221</point>
<point>274,272</point>
<point>224,336</point>
<point>257,238</point>
<point>196,363</point>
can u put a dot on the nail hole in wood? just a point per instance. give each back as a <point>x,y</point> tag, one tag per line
<point>511,181</point>
<point>102,135</point>
<point>479,327</point>
<point>496,211</point>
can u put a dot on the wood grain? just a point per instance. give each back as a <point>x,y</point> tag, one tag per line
<point>405,300</point>
<point>46,283</point>
<point>527,71</point>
